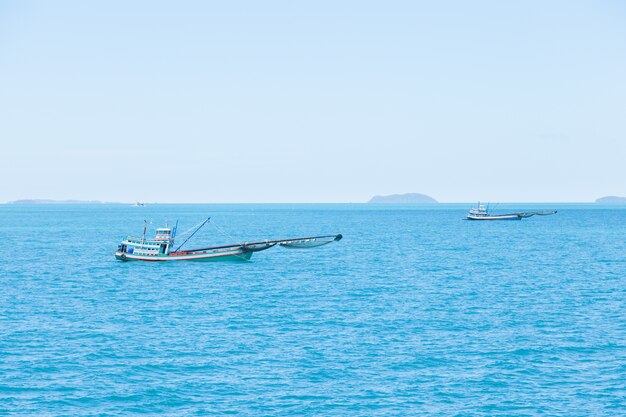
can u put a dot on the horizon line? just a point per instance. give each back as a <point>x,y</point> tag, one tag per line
<point>96,202</point>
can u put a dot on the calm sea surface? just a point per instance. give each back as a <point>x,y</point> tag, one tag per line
<point>414,312</point>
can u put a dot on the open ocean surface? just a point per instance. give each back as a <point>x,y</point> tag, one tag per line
<point>414,312</point>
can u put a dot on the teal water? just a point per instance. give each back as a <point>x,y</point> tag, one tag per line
<point>414,312</point>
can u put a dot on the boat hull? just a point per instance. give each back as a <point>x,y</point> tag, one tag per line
<point>157,249</point>
<point>231,256</point>
<point>497,217</point>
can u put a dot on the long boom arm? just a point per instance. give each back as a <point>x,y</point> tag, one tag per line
<point>299,242</point>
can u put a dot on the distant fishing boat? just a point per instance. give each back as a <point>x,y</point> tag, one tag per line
<point>162,248</point>
<point>483,213</point>
<point>139,204</point>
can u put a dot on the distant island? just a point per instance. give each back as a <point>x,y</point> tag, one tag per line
<point>410,198</point>
<point>611,199</point>
<point>44,201</point>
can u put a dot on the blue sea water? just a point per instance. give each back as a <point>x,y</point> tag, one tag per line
<point>414,312</point>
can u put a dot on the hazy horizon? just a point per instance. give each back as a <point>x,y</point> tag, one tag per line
<point>312,102</point>
<point>97,201</point>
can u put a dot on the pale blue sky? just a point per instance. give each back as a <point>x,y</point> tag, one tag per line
<point>320,101</point>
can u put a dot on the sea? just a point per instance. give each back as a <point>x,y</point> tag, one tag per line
<point>414,312</point>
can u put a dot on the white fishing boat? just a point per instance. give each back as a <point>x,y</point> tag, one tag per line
<point>483,213</point>
<point>161,248</point>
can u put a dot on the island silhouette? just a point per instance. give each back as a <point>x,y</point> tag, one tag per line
<point>611,199</point>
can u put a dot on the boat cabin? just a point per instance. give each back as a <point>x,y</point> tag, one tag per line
<point>480,211</point>
<point>163,233</point>
<point>158,246</point>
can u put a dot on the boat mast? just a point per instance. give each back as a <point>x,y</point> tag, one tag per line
<point>145,225</point>
<point>173,237</point>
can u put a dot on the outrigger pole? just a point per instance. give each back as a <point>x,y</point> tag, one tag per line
<point>249,246</point>
<point>194,232</point>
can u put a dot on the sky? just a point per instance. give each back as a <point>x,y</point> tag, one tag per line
<point>315,101</point>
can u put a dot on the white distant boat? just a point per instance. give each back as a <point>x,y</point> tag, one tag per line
<point>483,213</point>
<point>139,204</point>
